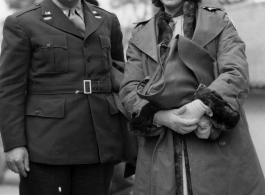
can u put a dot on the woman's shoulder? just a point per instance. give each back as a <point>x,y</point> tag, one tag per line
<point>140,25</point>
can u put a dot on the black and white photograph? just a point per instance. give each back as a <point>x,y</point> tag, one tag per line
<point>132,97</point>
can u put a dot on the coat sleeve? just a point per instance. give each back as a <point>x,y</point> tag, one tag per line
<point>14,66</point>
<point>232,83</point>
<point>139,111</point>
<point>116,41</point>
<point>229,90</point>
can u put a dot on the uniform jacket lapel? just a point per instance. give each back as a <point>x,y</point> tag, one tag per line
<point>53,15</point>
<point>92,18</point>
<point>146,39</point>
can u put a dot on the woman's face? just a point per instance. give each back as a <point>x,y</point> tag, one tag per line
<point>171,3</point>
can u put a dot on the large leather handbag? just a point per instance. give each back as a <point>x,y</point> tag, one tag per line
<point>176,79</point>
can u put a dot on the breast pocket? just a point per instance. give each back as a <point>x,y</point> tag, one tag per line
<point>50,54</point>
<point>106,50</point>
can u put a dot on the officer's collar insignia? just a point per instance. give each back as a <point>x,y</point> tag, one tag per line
<point>96,14</point>
<point>47,13</point>
<point>47,18</point>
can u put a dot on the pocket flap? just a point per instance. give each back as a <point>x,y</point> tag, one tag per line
<point>105,41</point>
<point>49,41</point>
<point>112,105</point>
<point>49,107</point>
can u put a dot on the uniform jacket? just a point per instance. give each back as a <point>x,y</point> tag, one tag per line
<point>44,62</point>
<point>227,165</point>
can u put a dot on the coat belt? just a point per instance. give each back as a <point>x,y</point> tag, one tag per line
<point>78,87</point>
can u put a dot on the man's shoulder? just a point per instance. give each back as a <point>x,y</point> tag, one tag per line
<point>102,11</point>
<point>27,10</point>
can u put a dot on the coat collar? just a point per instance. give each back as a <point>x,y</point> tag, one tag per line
<point>93,19</point>
<point>146,39</point>
<point>52,15</point>
<point>208,27</point>
<point>210,4</point>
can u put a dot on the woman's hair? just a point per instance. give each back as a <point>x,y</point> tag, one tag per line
<point>158,3</point>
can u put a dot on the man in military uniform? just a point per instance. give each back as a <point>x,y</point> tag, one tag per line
<point>59,119</point>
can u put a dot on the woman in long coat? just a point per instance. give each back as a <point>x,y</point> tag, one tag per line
<point>175,159</point>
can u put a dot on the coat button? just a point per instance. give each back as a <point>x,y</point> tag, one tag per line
<point>222,143</point>
<point>37,111</point>
<point>49,45</point>
<point>241,95</point>
<point>89,74</point>
<point>88,59</point>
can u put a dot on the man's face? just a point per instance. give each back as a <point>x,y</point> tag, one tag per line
<point>171,3</point>
<point>69,3</point>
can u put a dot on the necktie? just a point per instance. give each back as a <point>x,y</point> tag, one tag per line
<point>77,21</point>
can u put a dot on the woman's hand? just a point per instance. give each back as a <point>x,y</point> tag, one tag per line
<point>196,109</point>
<point>174,120</point>
<point>204,128</point>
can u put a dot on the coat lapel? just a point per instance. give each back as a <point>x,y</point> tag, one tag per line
<point>208,25</point>
<point>146,39</point>
<point>92,18</point>
<point>53,15</point>
<point>199,60</point>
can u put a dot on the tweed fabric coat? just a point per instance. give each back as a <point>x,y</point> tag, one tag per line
<point>44,61</point>
<point>227,165</point>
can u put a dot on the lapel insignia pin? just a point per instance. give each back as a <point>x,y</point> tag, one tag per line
<point>98,17</point>
<point>94,12</point>
<point>47,13</point>
<point>47,18</point>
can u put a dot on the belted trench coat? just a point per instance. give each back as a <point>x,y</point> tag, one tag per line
<point>229,164</point>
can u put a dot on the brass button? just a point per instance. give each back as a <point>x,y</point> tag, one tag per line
<point>222,143</point>
<point>48,45</point>
<point>37,111</point>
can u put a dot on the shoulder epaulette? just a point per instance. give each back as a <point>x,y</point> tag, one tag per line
<point>141,22</point>
<point>212,9</point>
<point>28,9</point>
<point>102,9</point>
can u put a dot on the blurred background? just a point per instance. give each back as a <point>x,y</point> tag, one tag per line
<point>248,17</point>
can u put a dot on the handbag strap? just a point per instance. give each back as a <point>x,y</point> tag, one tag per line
<point>146,87</point>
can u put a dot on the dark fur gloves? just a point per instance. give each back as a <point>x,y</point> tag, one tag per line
<point>224,117</point>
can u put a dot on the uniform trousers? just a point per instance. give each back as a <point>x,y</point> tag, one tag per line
<point>87,179</point>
